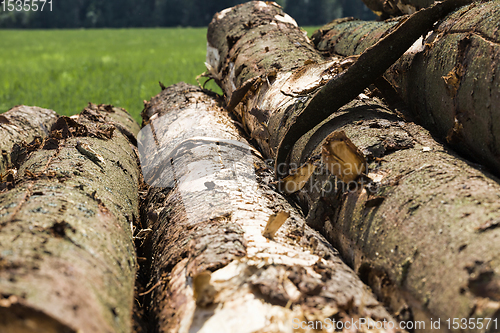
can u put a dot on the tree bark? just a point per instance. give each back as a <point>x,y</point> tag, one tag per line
<point>67,255</point>
<point>391,8</point>
<point>422,234</point>
<point>22,123</point>
<point>209,204</point>
<point>348,83</point>
<point>448,80</point>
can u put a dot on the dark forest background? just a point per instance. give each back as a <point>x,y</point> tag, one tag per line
<point>165,13</point>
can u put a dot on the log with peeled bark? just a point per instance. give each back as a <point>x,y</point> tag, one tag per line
<point>424,232</point>
<point>220,260</point>
<point>449,79</point>
<point>67,258</point>
<point>22,123</point>
<point>343,86</point>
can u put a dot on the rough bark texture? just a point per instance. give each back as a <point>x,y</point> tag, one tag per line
<point>344,86</point>
<point>22,123</point>
<point>256,30</point>
<point>428,231</point>
<point>388,8</point>
<point>449,80</point>
<point>236,60</point>
<point>211,269</point>
<point>350,36</point>
<point>369,66</point>
<point>67,260</point>
<point>424,234</point>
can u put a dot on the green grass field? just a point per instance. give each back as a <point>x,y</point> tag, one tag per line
<point>63,70</point>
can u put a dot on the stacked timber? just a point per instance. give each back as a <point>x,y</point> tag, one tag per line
<point>67,260</point>
<point>223,250</point>
<point>419,224</point>
<point>448,78</point>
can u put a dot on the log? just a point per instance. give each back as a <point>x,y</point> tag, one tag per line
<point>22,123</point>
<point>365,70</point>
<point>448,79</point>
<point>346,84</point>
<point>229,254</point>
<point>422,232</point>
<point>390,8</point>
<point>67,255</point>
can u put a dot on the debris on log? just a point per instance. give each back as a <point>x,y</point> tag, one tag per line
<point>448,79</point>
<point>22,123</point>
<point>211,201</point>
<point>420,227</point>
<point>67,255</point>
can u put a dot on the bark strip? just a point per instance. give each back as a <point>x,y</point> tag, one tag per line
<point>449,79</point>
<point>422,232</point>
<point>212,270</point>
<point>67,256</point>
<point>22,123</point>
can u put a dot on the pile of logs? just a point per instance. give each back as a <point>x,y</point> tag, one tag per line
<point>344,183</point>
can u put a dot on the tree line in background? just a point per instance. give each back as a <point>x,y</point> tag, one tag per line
<point>164,13</point>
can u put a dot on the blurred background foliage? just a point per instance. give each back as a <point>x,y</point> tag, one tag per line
<point>166,13</point>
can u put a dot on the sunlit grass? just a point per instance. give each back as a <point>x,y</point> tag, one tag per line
<point>65,69</point>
